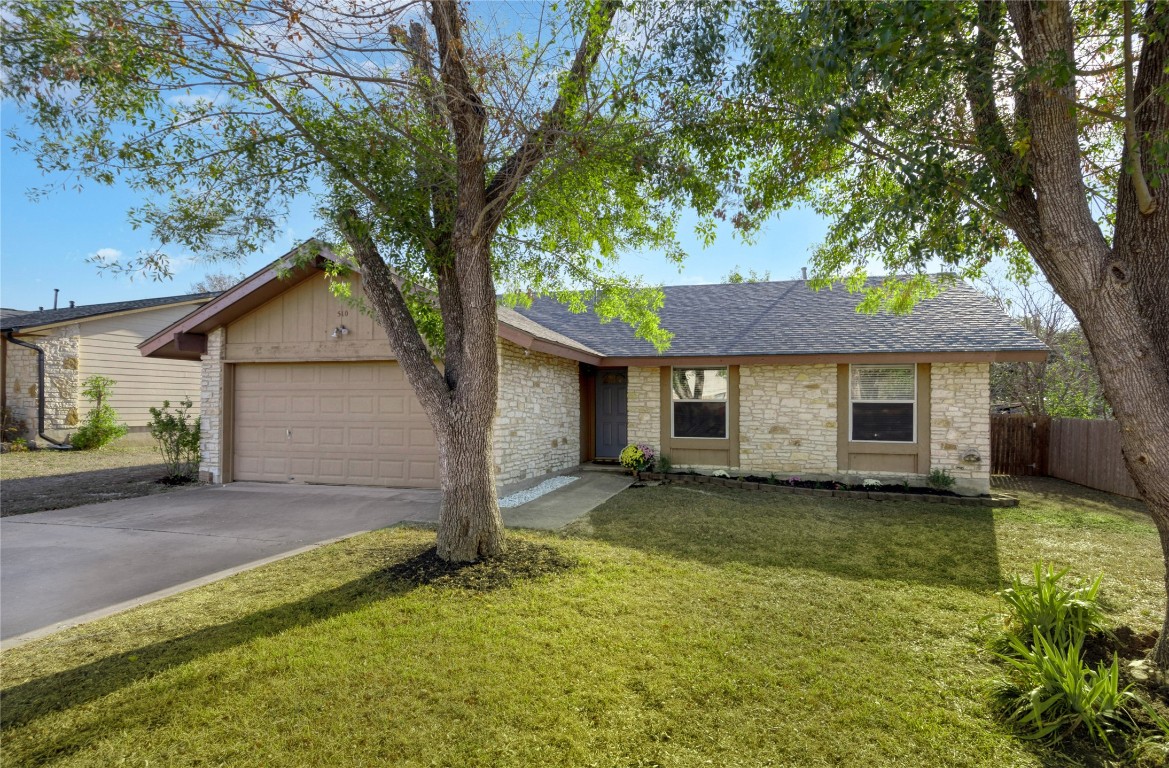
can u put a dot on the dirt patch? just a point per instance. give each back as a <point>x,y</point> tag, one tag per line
<point>521,560</point>
<point>37,494</point>
<point>50,479</point>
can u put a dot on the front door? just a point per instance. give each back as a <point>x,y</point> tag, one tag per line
<point>612,417</point>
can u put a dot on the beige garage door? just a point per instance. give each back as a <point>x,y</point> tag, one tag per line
<point>340,423</point>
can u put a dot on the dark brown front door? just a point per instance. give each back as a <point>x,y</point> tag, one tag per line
<point>612,416</point>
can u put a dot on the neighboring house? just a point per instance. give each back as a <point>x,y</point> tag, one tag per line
<point>97,339</point>
<point>761,378</point>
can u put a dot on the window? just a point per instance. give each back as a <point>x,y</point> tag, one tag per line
<point>883,402</point>
<point>699,402</point>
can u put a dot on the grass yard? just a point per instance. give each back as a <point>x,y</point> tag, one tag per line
<point>33,481</point>
<point>696,627</point>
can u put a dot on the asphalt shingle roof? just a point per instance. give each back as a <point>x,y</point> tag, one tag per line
<point>86,311</point>
<point>788,318</point>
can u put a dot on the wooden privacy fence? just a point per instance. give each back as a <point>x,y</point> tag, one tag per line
<point>1086,452</point>
<point>1018,444</point>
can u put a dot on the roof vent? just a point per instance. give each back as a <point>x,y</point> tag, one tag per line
<point>803,273</point>
<point>72,304</point>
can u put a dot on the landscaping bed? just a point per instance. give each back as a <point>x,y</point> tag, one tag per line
<point>796,486</point>
<point>677,625</point>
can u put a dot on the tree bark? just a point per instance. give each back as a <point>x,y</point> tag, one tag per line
<point>469,524</point>
<point>1119,292</point>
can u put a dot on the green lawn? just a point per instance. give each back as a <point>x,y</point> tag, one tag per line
<point>697,627</point>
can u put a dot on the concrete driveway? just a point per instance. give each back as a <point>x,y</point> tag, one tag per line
<point>66,565</point>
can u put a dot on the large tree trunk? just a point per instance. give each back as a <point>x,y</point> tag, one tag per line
<point>469,524</point>
<point>1119,291</point>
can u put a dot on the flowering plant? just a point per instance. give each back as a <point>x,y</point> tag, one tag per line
<point>638,456</point>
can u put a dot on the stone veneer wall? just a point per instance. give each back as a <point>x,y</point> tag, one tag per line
<point>960,422</point>
<point>537,414</point>
<point>644,406</point>
<point>787,419</point>
<point>62,359</point>
<point>211,409</point>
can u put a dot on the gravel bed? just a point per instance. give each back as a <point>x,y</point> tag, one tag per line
<point>535,492</point>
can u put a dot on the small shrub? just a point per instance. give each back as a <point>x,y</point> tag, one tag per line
<point>177,437</point>
<point>1057,695</point>
<point>11,428</point>
<point>664,464</point>
<point>101,425</point>
<point>940,479</point>
<point>1063,615</point>
<point>18,445</point>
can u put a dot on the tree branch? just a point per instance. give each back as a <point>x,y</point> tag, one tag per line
<point>1145,201</point>
<point>536,145</point>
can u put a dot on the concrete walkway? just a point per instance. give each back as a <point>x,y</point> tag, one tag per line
<point>556,509</point>
<point>64,566</point>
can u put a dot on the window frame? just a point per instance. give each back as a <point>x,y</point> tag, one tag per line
<point>913,371</point>
<point>727,401</point>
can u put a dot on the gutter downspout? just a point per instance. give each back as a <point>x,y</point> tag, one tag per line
<point>40,387</point>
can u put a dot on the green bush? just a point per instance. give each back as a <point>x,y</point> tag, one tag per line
<point>1061,614</point>
<point>664,464</point>
<point>177,437</point>
<point>101,425</point>
<point>1056,694</point>
<point>940,479</point>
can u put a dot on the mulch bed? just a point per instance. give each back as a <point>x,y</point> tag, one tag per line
<point>520,560</point>
<point>828,488</point>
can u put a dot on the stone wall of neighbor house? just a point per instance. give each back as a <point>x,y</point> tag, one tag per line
<point>644,406</point>
<point>62,381</point>
<point>537,414</point>
<point>960,423</point>
<point>211,409</point>
<point>787,419</point>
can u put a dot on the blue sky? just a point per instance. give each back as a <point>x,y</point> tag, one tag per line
<point>44,243</point>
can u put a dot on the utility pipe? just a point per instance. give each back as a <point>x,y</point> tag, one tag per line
<point>40,387</point>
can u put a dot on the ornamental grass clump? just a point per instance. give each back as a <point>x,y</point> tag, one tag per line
<point>639,457</point>
<point>1052,693</point>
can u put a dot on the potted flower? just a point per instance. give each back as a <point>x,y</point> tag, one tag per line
<point>638,457</point>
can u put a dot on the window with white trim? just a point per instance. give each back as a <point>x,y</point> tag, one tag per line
<point>882,403</point>
<point>699,404</point>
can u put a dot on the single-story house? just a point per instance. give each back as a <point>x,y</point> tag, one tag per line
<point>77,342</point>
<point>761,378</point>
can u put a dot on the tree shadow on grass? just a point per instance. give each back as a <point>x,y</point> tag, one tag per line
<point>23,704</point>
<point>920,542</point>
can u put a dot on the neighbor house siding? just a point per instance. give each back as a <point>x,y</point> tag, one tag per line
<point>537,414</point>
<point>109,347</point>
<point>960,423</point>
<point>62,349</point>
<point>787,419</point>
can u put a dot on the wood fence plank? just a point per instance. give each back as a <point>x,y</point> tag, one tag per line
<point>1082,451</point>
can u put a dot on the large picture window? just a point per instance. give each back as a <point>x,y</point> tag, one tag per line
<point>699,401</point>
<point>883,403</point>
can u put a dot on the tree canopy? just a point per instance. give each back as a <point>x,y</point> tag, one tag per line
<point>221,113</point>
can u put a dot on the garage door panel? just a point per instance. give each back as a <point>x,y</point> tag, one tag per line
<point>344,423</point>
